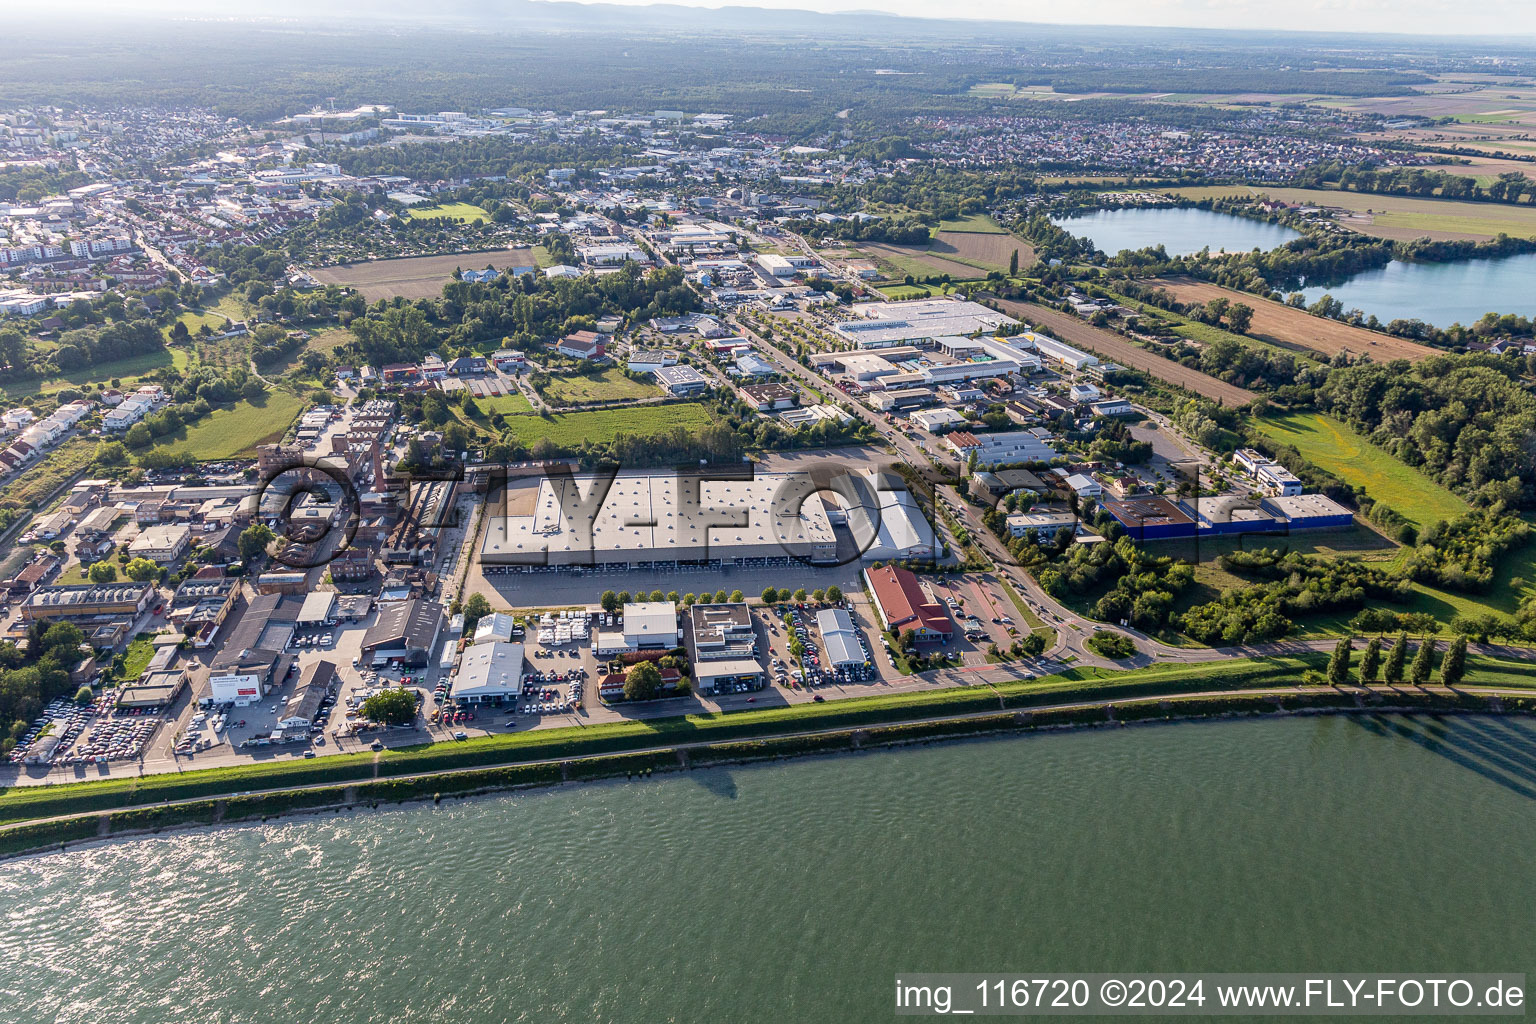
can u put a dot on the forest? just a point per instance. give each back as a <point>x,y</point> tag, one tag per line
<point>1466,421</point>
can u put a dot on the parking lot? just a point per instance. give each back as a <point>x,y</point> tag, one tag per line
<point>983,614</point>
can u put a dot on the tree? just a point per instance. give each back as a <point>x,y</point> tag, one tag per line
<point>688,600</point>
<point>254,540</point>
<point>737,597</point>
<point>1455,664</point>
<point>720,596</point>
<point>1239,317</point>
<point>1033,645</point>
<point>834,594</point>
<point>800,596</point>
<point>624,597</point>
<point>609,601</point>
<point>642,681</point>
<point>1013,263</point>
<point>1338,664</point>
<point>1393,671</point>
<point>102,572</point>
<point>141,570</point>
<point>1423,661</point>
<point>394,706</point>
<point>475,609</point>
<point>657,595</point>
<point>1371,663</point>
<point>818,595</point>
<point>770,595</point>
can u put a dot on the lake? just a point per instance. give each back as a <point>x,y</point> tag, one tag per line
<point>1439,293</point>
<point>795,891</point>
<point>1180,230</point>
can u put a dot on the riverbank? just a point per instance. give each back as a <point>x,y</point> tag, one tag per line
<point>66,831</point>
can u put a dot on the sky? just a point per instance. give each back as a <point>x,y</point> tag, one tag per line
<point>1426,17</point>
<point>1499,19</point>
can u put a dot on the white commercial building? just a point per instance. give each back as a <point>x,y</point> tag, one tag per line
<point>896,323</point>
<point>163,544</point>
<point>936,421</point>
<point>840,641</point>
<point>495,627</point>
<point>650,625</point>
<point>489,673</point>
<point>1058,351</point>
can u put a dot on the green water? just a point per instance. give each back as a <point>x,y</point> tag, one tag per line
<point>796,891</point>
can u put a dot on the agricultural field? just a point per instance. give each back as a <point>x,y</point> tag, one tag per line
<point>454,211</point>
<point>1394,217</point>
<point>611,385</point>
<point>1298,330</point>
<point>1335,447</point>
<point>419,277</point>
<point>986,251</point>
<point>602,426</point>
<point>972,223</point>
<point>236,430</point>
<point>896,261</point>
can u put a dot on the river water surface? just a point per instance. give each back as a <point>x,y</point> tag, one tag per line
<point>795,891</point>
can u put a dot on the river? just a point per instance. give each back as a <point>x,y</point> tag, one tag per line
<point>1439,293</point>
<point>795,891</point>
<point>1180,230</point>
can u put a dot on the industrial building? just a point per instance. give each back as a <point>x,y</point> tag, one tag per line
<point>645,519</point>
<point>497,626</point>
<point>1160,518</point>
<point>246,668</point>
<point>937,421</point>
<point>1001,448</point>
<point>886,324</point>
<point>405,632</point>
<point>1058,351</point>
<point>1309,511</point>
<point>1044,524</point>
<point>839,640</point>
<point>87,600</point>
<point>316,682</point>
<point>681,381</point>
<point>489,673</point>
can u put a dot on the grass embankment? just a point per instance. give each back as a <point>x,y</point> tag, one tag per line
<point>852,731</point>
<point>603,425</point>
<point>24,802</point>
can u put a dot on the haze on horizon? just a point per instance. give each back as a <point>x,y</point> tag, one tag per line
<point>1496,18</point>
